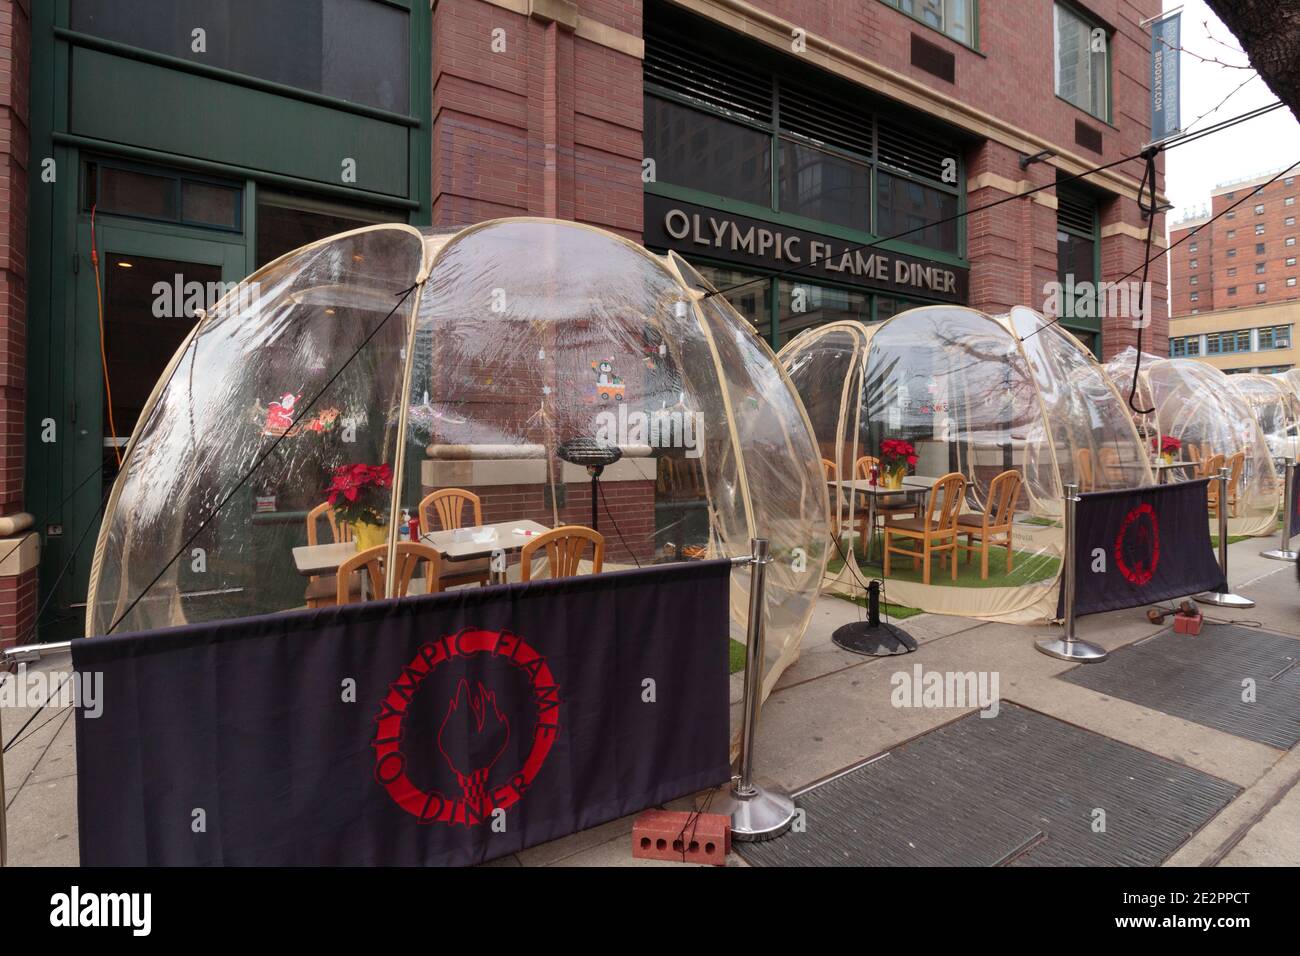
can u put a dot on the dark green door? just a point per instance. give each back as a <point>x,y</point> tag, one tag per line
<point>152,280</point>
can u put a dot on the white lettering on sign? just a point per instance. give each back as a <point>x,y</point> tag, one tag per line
<point>718,232</point>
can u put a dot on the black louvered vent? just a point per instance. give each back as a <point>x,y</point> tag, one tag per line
<point>1087,137</point>
<point>934,59</point>
<point>679,64</point>
<point>912,152</point>
<point>825,116</point>
<point>1074,212</point>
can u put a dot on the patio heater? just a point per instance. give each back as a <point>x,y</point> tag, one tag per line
<point>873,637</point>
<point>594,455</point>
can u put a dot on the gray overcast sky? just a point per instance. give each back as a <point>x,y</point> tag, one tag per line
<point>1246,150</point>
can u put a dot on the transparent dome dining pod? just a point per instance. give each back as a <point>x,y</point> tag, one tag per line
<point>1198,416</point>
<point>516,373</point>
<point>947,437</point>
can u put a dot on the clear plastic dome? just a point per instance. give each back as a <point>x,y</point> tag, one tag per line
<point>475,356</point>
<point>980,396</point>
<point>1276,408</point>
<point>1198,404</point>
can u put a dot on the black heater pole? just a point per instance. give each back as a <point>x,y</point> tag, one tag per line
<point>594,455</point>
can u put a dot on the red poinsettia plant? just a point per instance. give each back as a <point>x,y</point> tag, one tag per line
<point>359,492</point>
<point>895,457</point>
<point>1168,444</point>
<point>895,452</point>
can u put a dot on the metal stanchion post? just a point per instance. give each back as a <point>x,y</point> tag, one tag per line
<point>1284,552</point>
<point>756,813</point>
<point>1068,647</point>
<point>1224,598</point>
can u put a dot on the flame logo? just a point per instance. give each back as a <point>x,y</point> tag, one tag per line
<point>469,734</point>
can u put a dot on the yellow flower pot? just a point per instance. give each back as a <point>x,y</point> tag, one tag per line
<point>894,478</point>
<point>369,535</point>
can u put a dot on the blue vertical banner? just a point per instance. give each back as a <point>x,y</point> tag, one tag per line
<point>1165,46</point>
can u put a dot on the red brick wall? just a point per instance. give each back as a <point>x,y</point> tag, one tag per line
<point>17,595</point>
<point>551,126</point>
<point>628,507</point>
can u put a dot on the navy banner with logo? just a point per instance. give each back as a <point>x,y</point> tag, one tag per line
<point>1142,545</point>
<point>447,729</point>
<point>1294,505</point>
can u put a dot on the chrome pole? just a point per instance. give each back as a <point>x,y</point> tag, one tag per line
<point>1069,647</point>
<point>756,813</point>
<point>1284,552</point>
<point>1224,598</point>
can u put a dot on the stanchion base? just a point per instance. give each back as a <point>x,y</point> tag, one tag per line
<point>883,640</point>
<point>1079,651</point>
<point>1223,599</point>
<point>764,815</point>
<point>1278,554</point>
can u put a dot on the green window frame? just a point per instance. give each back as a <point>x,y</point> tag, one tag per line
<point>1075,34</point>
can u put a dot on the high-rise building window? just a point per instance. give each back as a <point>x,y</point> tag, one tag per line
<point>1261,287</point>
<point>1082,49</point>
<point>1289,201</point>
<point>1259,248</point>
<point>956,18</point>
<point>1192,264</point>
<point>1259,229</point>
<point>1194,280</point>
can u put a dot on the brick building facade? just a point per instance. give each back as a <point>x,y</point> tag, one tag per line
<point>1247,257</point>
<point>557,124</point>
<point>799,127</point>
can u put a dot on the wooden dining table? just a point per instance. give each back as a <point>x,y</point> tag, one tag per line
<point>455,545</point>
<point>912,485</point>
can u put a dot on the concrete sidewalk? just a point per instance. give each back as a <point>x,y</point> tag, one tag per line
<point>832,710</point>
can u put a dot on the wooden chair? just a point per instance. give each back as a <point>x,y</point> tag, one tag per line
<point>1108,459</point>
<point>564,549</point>
<point>884,511</point>
<point>1083,469</point>
<point>444,509</point>
<point>1236,464</point>
<point>1210,463</point>
<point>828,467</point>
<point>1211,470</point>
<point>371,561</point>
<point>993,526</point>
<point>339,530</point>
<point>936,532</point>
<point>321,588</point>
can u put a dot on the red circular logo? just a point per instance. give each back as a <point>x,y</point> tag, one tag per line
<point>473,731</point>
<point>1137,546</point>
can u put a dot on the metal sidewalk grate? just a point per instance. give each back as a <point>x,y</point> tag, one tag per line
<point>1021,788</point>
<point>1200,678</point>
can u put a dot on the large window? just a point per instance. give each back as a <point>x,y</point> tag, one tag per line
<point>701,151</point>
<point>1082,62</point>
<point>821,185</point>
<point>786,143</point>
<point>1185,345</point>
<point>806,304</point>
<point>1225,343</point>
<point>354,50</point>
<point>750,295</point>
<point>924,214</point>
<point>956,18</point>
<point>286,221</point>
<point>1275,337</point>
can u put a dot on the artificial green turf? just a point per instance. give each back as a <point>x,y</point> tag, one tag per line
<point>1027,567</point>
<point>736,655</point>
<point>1232,539</point>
